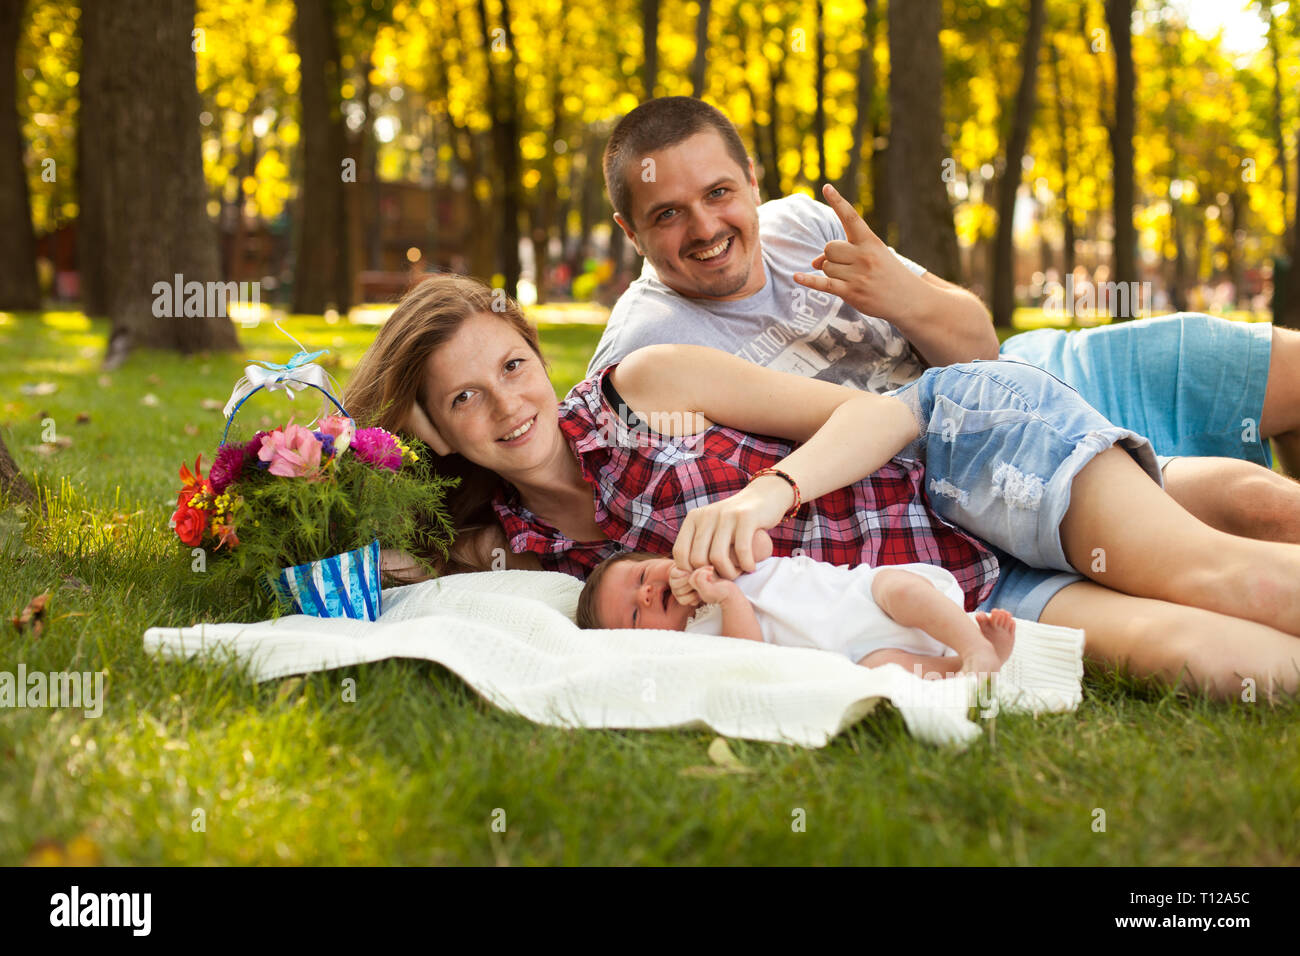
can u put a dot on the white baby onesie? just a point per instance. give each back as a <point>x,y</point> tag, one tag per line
<point>800,602</point>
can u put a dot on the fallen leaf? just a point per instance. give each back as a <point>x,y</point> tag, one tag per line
<point>211,404</point>
<point>720,753</point>
<point>50,447</point>
<point>149,398</point>
<point>706,772</point>
<point>190,430</point>
<point>83,418</point>
<point>153,379</point>
<point>39,388</point>
<point>33,614</point>
<point>725,763</point>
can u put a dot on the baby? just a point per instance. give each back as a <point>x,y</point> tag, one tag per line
<point>907,614</point>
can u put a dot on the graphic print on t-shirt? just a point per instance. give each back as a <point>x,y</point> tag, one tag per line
<point>823,338</point>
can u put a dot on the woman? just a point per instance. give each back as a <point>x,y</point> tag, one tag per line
<point>562,488</point>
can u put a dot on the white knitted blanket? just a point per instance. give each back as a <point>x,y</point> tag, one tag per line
<point>510,635</point>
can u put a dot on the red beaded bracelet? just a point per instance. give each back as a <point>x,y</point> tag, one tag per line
<point>781,474</point>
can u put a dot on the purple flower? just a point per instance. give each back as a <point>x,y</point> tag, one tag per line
<point>377,447</point>
<point>228,466</point>
<point>252,449</point>
<point>326,444</point>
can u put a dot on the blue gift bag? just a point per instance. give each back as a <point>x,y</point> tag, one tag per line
<point>344,585</point>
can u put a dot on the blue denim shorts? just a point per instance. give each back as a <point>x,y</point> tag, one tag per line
<point>1002,443</point>
<point>1191,383</point>
<point>1025,591</point>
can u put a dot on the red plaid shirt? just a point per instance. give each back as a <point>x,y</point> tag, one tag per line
<point>645,484</point>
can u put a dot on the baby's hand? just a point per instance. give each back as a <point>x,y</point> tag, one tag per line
<point>711,588</point>
<point>680,583</point>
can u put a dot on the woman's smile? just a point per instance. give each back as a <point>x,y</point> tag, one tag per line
<point>519,435</point>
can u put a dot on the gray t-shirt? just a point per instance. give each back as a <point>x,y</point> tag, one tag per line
<point>784,326</point>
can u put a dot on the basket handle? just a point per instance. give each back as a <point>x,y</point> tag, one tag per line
<point>231,418</point>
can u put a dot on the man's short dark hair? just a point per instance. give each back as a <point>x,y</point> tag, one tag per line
<point>657,124</point>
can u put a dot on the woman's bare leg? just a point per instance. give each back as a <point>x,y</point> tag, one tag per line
<point>1123,531</point>
<point>1223,656</point>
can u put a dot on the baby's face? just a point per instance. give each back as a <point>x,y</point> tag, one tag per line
<point>636,594</point>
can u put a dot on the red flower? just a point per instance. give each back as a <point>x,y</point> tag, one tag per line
<point>192,483</point>
<point>190,523</point>
<point>225,535</point>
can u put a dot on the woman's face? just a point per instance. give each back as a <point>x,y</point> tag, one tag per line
<point>488,394</point>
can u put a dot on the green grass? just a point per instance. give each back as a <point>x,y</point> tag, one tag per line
<point>414,771</point>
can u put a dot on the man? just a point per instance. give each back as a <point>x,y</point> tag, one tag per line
<point>808,288</point>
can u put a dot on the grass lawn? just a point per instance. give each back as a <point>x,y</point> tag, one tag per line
<point>196,764</point>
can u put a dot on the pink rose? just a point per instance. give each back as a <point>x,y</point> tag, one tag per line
<point>292,451</point>
<point>341,428</point>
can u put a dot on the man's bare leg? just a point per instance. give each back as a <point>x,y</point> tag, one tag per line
<point>1236,496</point>
<point>1280,419</point>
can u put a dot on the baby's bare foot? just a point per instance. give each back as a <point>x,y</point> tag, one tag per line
<point>999,629</point>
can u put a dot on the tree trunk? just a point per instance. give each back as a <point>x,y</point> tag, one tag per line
<point>701,62</point>
<point>19,288</point>
<point>1291,311</point>
<point>1004,264</point>
<point>1119,16</point>
<point>321,275</point>
<point>771,163</point>
<point>1178,286</point>
<point>374,219</point>
<point>926,232</point>
<point>589,204</point>
<point>12,482</point>
<point>1279,139</point>
<point>819,112</point>
<point>881,215</point>
<point>543,214</point>
<point>1173,130</point>
<point>144,157</point>
<point>864,126</point>
<point>503,107</point>
<point>1236,271</point>
<point>650,39</point>
<point>1063,132</point>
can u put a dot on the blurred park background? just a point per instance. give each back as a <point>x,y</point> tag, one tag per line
<point>333,151</point>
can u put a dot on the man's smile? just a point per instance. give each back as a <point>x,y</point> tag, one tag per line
<point>714,253</point>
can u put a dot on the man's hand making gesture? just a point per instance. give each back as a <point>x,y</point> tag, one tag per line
<point>943,322</point>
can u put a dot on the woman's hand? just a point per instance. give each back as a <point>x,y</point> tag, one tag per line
<point>725,533</point>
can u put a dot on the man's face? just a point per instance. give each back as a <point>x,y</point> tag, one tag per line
<point>637,594</point>
<point>697,221</point>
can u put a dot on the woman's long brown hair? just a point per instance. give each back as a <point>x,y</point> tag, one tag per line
<point>390,377</point>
